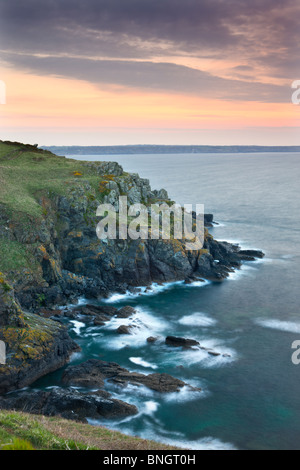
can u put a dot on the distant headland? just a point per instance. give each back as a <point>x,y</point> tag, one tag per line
<point>165,149</point>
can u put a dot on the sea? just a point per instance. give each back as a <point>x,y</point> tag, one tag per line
<point>250,396</point>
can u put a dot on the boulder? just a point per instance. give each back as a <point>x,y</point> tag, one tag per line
<point>178,342</point>
<point>125,329</point>
<point>151,339</point>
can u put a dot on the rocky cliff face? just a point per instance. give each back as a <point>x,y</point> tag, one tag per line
<point>71,261</point>
<point>52,256</point>
<point>35,346</point>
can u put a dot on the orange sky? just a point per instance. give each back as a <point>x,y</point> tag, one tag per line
<point>54,106</point>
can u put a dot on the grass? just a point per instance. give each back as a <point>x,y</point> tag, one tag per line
<point>22,431</point>
<point>27,177</point>
<point>27,172</point>
<point>13,255</point>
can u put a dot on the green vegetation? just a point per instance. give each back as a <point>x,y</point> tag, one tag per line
<point>27,173</point>
<point>31,341</point>
<point>21,431</point>
<point>13,255</point>
<point>29,179</point>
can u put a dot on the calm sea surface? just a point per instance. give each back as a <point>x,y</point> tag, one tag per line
<point>250,400</point>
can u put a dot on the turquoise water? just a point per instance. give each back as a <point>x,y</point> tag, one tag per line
<point>251,399</point>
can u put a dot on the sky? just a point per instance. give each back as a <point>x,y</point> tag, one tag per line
<point>119,72</point>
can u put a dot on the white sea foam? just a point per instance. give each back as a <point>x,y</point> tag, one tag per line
<point>198,284</point>
<point>154,289</point>
<point>218,225</point>
<point>186,394</point>
<point>197,319</point>
<point>76,356</point>
<point>176,439</point>
<point>143,324</point>
<point>80,301</point>
<point>150,407</point>
<point>77,326</point>
<point>245,270</point>
<point>191,357</point>
<point>207,443</point>
<point>139,361</point>
<point>291,327</point>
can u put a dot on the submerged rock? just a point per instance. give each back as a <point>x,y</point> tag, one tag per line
<point>125,329</point>
<point>126,312</point>
<point>93,373</point>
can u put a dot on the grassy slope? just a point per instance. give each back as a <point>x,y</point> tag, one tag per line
<point>21,431</point>
<point>27,174</point>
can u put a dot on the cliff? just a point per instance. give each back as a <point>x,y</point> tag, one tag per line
<point>50,254</point>
<point>35,346</point>
<point>49,250</point>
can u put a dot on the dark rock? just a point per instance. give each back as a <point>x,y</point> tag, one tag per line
<point>192,279</point>
<point>151,339</point>
<point>126,312</point>
<point>50,313</point>
<point>10,310</point>
<point>96,371</point>
<point>250,255</point>
<point>49,348</point>
<point>69,403</point>
<point>74,262</point>
<point>181,342</point>
<point>100,321</point>
<point>35,346</point>
<point>125,329</point>
<point>208,219</point>
<point>98,310</point>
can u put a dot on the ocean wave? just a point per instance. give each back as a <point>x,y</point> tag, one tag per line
<point>244,270</point>
<point>201,356</point>
<point>154,289</point>
<point>198,283</point>
<point>206,443</point>
<point>77,326</point>
<point>177,439</point>
<point>143,325</point>
<point>288,326</point>
<point>197,319</point>
<point>140,362</point>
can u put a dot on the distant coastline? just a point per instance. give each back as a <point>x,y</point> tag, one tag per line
<point>165,149</point>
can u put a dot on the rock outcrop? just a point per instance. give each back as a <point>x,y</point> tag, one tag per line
<point>93,373</point>
<point>58,258</point>
<point>69,404</point>
<point>35,346</point>
<point>70,261</point>
<point>178,342</point>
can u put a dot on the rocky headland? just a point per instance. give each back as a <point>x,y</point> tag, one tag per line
<point>50,256</point>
